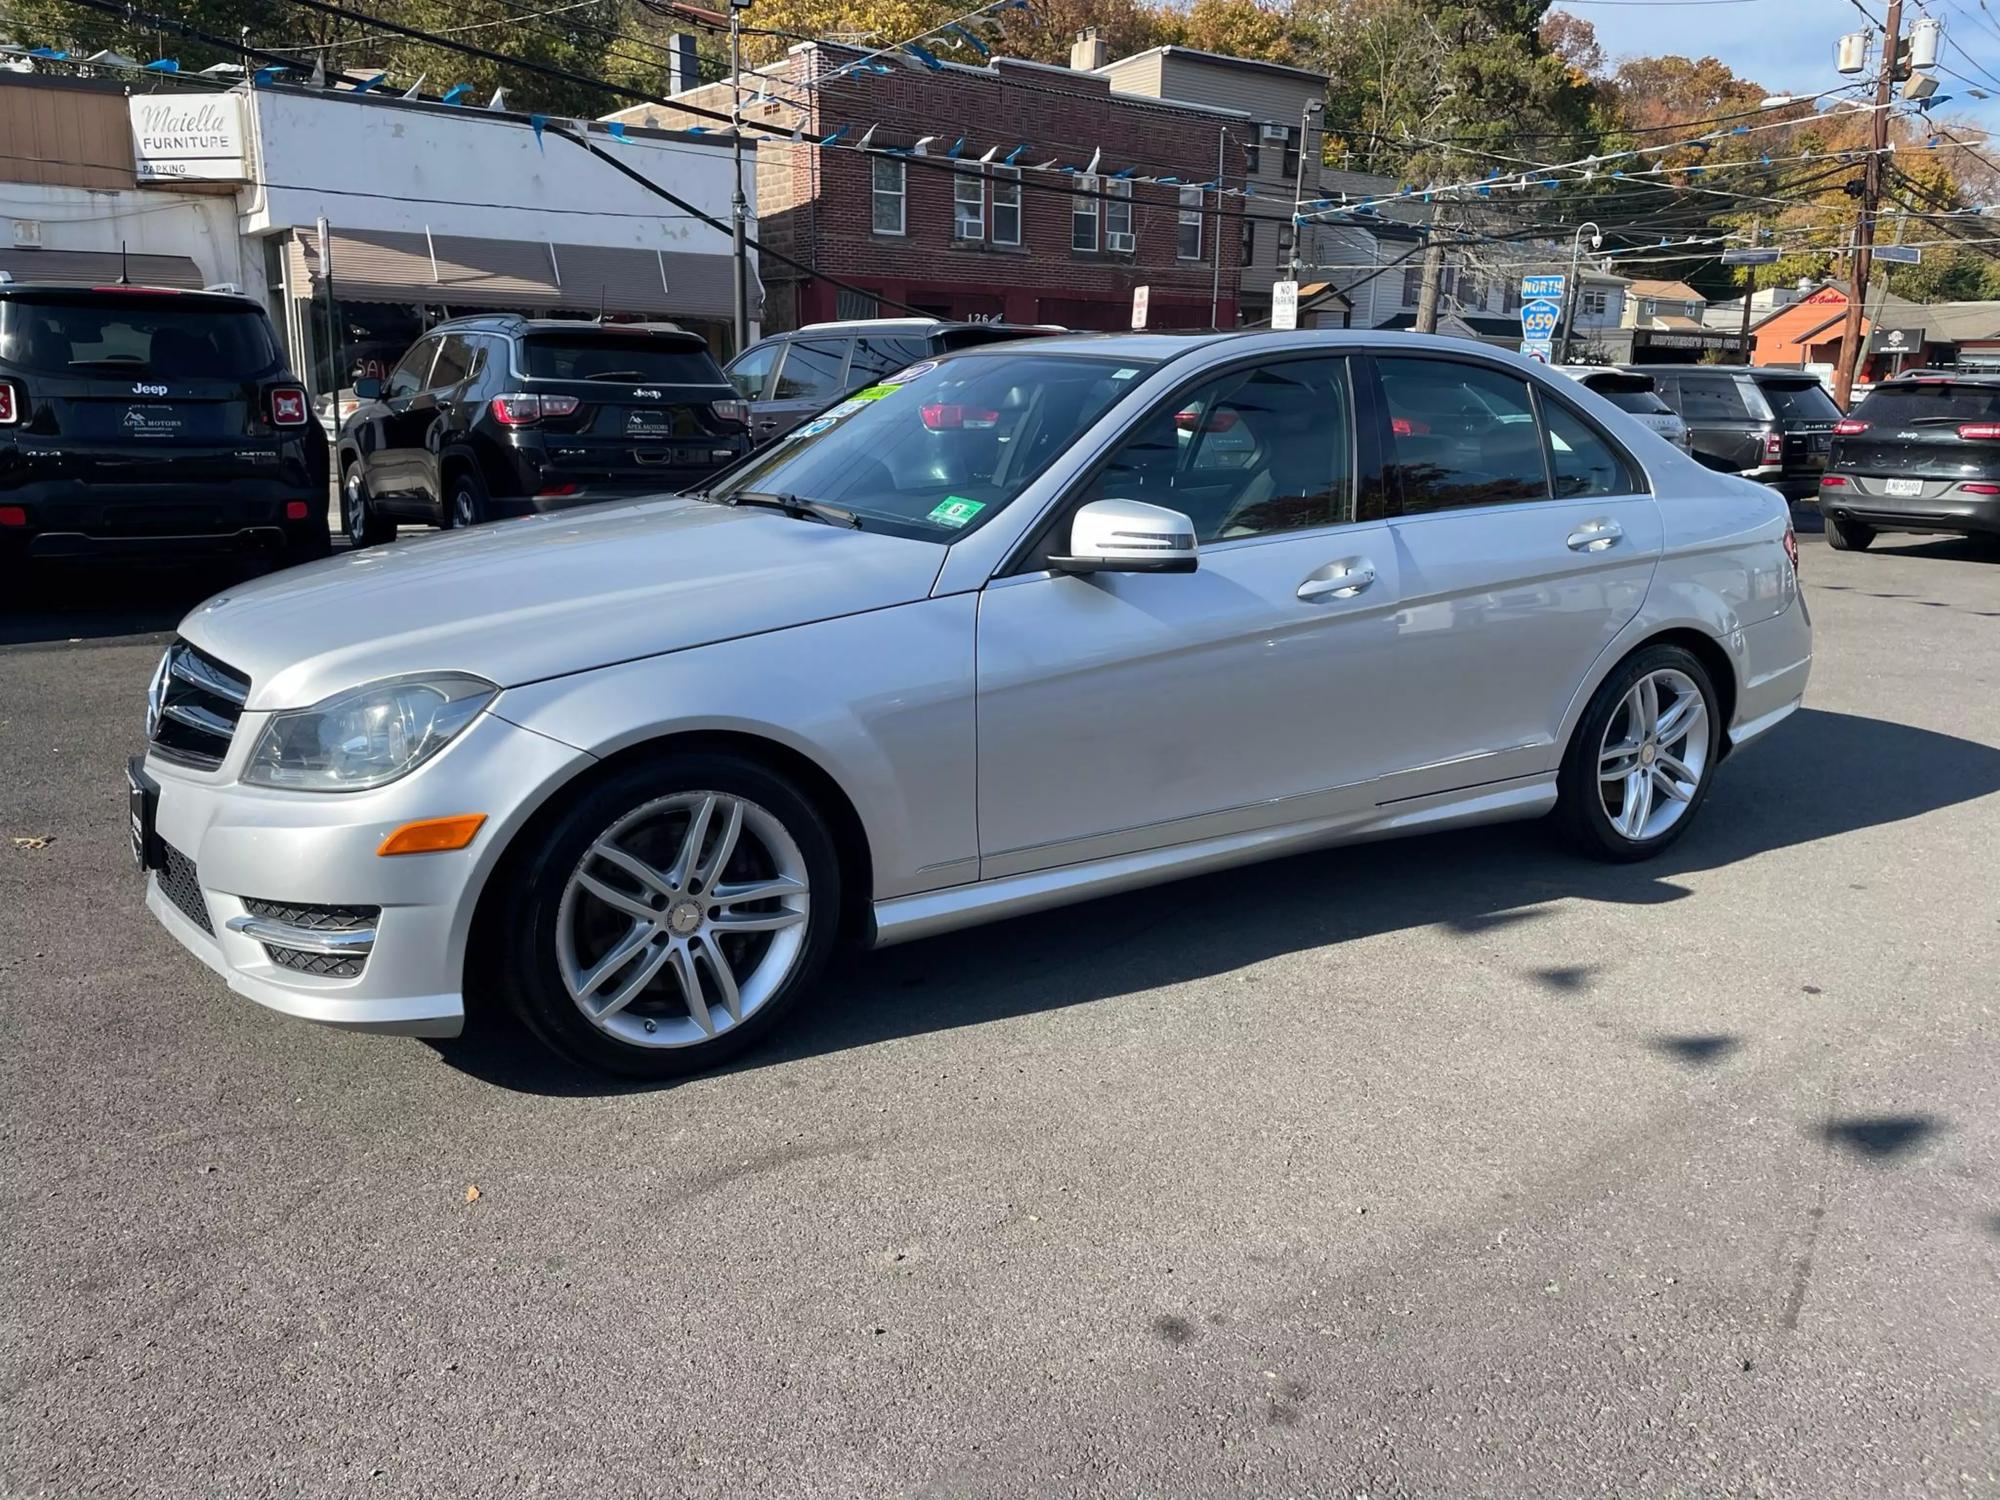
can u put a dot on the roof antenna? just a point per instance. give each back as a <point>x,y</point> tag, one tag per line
<point>123,278</point>
<point>600,302</point>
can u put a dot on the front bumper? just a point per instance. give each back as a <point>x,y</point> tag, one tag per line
<point>236,845</point>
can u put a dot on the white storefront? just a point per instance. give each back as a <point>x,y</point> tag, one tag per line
<point>433,210</point>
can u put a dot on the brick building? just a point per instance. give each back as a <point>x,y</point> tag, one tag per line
<point>958,238</point>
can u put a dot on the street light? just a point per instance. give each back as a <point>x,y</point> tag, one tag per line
<point>1313,107</point>
<point>738,208</point>
<point>1569,306</point>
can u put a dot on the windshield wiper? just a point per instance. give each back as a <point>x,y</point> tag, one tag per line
<point>797,507</point>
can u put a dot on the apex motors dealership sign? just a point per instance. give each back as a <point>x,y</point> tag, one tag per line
<point>188,138</point>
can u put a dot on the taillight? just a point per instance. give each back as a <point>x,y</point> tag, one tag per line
<point>1792,548</point>
<point>13,515</point>
<point>1847,427</point>
<point>941,416</point>
<point>731,411</point>
<point>1189,420</point>
<point>1774,445</point>
<point>1832,481</point>
<point>524,409</point>
<point>288,407</point>
<point>1981,489</point>
<point>10,410</point>
<point>1409,427</point>
<point>1979,429</point>
<point>556,491</point>
<point>295,510</point>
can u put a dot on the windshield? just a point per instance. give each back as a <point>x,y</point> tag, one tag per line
<point>618,359</point>
<point>134,333</point>
<point>1798,400</point>
<point>1633,393</point>
<point>1908,403</point>
<point>939,449</point>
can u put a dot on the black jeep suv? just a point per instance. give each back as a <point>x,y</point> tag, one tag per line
<point>503,415</point>
<point>143,420</point>
<point>1920,453</point>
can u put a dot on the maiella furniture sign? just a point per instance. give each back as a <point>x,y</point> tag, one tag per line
<point>188,138</point>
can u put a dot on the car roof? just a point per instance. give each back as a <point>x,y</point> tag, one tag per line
<point>522,323</point>
<point>1755,372</point>
<point>926,326</point>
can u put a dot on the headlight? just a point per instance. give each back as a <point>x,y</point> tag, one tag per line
<point>368,735</point>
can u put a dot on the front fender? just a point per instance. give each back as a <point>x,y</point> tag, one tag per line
<point>881,702</point>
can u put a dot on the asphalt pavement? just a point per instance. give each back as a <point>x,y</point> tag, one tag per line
<point>1455,1166</point>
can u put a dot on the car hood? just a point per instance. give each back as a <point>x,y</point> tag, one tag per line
<point>519,601</point>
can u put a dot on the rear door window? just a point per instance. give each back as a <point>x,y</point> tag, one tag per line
<point>811,371</point>
<point>1935,403</point>
<point>1713,398</point>
<point>412,369</point>
<point>1583,463</point>
<point>876,356</point>
<point>135,334</point>
<point>618,359</point>
<point>751,375</point>
<point>1798,401</point>
<point>1461,435</point>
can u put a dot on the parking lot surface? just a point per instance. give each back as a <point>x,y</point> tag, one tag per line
<point>1454,1166</point>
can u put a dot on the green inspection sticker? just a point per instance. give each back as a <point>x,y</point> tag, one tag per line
<point>954,511</point>
<point>873,393</point>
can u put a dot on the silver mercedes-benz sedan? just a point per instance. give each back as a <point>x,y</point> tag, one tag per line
<point>1010,629</point>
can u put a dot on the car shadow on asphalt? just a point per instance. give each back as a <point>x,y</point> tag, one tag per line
<point>57,602</point>
<point>1817,776</point>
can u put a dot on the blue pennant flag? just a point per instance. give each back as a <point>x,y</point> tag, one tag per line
<point>617,131</point>
<point>696,130</point>
<point>957,149</point>
<point>969,39</point>
<point>833,136</point>
<point>268,75</point>
<point>368,83</point>
<point>924,55</point>
<point>1123,172</point>
<point>1167,181</point>
<point>455,93</point>
<point>49,54</point>
<point>163,65</point>
<point>535,123</point>
<point>1015,155</point>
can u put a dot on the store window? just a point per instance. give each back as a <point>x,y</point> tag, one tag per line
<point>890,203</point>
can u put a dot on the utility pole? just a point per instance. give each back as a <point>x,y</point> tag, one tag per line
<point>739,209</point>
<point>1573,288</point>
<point>1750,288</point>
<point>1871,198</point>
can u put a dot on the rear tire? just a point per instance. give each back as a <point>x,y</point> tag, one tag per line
<point>364,524</point>
<point>1653,755</point>
<point>465,501</point>
<point>570,909</point>
<point>1847,536</point>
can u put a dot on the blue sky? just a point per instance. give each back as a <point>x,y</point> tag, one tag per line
<point>1787,45</point>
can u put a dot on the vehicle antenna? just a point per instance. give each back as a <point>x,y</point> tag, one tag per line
<point>123,278</point>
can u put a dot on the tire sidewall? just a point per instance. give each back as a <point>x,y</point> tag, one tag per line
<point>464,484</point>
<point>1581,798</point>
<point>532,978</point>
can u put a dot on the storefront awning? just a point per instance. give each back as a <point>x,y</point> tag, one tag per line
<point>392,266</point>
<point>101,268</point>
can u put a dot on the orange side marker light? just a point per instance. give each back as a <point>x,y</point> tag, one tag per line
<point>433,835</point>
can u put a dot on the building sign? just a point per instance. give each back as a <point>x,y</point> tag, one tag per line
<point>188,138</point>
<point>1653,338</point>
<point>1284,304</point>
<point>1897,341</point>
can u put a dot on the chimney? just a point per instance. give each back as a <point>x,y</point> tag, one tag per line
<point>1088,52</point>
<point>683,66</point>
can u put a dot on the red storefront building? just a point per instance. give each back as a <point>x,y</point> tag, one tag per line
<point>921,220</point>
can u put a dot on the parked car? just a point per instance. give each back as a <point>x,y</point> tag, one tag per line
<point>1774,426</point>
<point>1634,392</point>
<point>1037,622</point>
<point>144,420</point>
<point>1919,453</point>
<point>504,415</point>
<point>789,376</point>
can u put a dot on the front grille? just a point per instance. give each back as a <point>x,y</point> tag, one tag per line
<point>318,918</point>
<point>196,701</point>
<point>327,965</point>
<point>180,883</point>
<point>315,918</point>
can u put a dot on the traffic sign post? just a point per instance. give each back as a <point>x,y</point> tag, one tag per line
<point>1761,257</point>
<point>1142,297</point>
<point>1538,350</point>
<point>1539,319</point>
<point>1543,288</point>
<point>1284,304</point>
<point>1899,255</point>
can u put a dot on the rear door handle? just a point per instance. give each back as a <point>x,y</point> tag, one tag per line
<point>1595,536</point>
<point>1341,580</point>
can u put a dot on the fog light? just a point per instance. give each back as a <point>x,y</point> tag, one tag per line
<point>13,515</point>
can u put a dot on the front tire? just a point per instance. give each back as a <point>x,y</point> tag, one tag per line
<point>670,917</point>
<point>364,524</point>
<point>1847,536</point>
<point>1639,765</point>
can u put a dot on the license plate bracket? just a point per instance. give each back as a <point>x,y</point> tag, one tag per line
<point>1905,489</point>
<point>142,803</point>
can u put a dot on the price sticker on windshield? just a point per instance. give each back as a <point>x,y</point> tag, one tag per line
<point>955,511</point>
<point>904,377</point>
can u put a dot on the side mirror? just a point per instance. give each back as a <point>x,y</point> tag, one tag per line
<point>1128,536</point>
<point>368,388</point>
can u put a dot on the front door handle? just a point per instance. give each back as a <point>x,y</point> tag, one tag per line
<point>1341,580</point>
<point>1595,536</point>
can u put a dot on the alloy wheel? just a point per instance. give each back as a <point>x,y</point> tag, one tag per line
<point>354,506</point>
<point>1654,754</point>
<point>462,510</point>
<point>682,919</point>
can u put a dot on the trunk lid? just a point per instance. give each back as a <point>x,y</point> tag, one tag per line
<point>1910,428</point>
<point>643,401</point>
